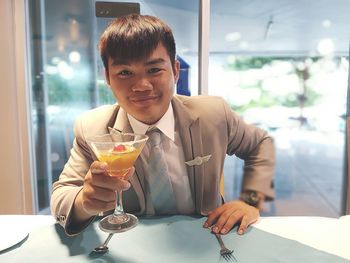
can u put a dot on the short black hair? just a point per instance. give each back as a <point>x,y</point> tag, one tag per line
<point>134,37</point>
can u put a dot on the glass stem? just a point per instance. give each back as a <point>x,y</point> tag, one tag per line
<point>119,211</point>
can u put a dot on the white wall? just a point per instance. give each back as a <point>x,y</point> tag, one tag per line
<point>347,181</point>
<point>15,165</point>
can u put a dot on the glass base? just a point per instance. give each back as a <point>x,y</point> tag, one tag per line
<point>122,223</point>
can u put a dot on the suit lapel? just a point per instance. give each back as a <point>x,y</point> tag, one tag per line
<point>190,131</point>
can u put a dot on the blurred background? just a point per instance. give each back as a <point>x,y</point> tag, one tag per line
<point>282,65</point>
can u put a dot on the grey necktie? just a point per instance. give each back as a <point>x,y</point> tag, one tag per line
<point>159,184</point>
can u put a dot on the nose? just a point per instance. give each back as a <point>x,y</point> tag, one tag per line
<point>143,84</point>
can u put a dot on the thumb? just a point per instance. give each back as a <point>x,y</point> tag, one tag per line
<point>98,167</point>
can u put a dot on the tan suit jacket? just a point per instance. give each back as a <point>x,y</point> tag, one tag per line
<point>207,126</point>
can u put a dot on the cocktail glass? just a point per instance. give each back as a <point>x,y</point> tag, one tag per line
<point>119,151</point>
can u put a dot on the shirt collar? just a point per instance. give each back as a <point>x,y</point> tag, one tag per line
<point>166,124</point>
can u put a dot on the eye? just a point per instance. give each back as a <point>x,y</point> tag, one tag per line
<point>154,70</point>
<point>124,73</point>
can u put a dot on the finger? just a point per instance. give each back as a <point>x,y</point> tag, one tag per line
<point>98,167</point>
<point>122,185</point>
<point>246,221</point>
<point>130,173</point>
<point>221,221</point>
<point>104,180</point>
<point>94,206</point>
<point>111,183</point>
<point>100,177</point>
<point>233,219</point>
<point>101,180</point>
<point>243,226</point>
<point>101,194</point>
<point>212,216</point>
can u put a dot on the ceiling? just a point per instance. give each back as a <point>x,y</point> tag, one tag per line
<point>281,27</point>
<point>255,27</point>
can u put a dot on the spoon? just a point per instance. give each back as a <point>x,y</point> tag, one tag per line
<point>103,248</point>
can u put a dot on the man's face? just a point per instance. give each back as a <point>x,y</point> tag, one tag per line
<point>144,88</point>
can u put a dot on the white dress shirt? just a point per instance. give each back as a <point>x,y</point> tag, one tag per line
<point>172,147</point>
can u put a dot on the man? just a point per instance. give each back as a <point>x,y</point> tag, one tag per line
<point>197,132</point>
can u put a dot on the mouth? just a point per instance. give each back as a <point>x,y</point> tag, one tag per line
<point>143,101</point>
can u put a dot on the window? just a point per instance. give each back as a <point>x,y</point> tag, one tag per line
<point>283,66</point>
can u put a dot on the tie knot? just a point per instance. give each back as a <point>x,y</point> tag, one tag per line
<point>154,138</point>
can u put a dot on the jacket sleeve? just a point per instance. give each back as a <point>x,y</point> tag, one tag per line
<point>256,148</point>
<point>70,182</point>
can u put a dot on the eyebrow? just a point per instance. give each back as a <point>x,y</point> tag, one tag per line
<point>116,62</point>
<point>154,61</point>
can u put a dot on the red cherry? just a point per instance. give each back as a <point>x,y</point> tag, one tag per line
<point>119,148</point>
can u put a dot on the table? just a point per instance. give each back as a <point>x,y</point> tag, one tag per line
<point>182,239</point>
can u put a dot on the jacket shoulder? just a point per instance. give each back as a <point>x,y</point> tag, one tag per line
<point>200,99</point>
<point>96,120</point>
<point>203,105</point>
<point>102,111</point>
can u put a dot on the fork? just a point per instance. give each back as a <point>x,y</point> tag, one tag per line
<point>226,253</point>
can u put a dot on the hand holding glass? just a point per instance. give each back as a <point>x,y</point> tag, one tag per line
<point>119,151</point>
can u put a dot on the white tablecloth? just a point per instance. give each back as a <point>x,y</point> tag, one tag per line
<point>331,235</point>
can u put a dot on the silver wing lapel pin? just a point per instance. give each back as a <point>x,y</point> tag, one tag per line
<point>198,160</point>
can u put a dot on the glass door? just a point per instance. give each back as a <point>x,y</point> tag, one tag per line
<point>67,75</point>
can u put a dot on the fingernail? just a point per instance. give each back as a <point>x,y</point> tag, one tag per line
<point>104,166</point>
<point>240,232</point>
<point>223,230</point>
<point>215,229</point>
<point>206,225</point>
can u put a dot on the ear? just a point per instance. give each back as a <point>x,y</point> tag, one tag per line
<point>107,77</point>
<point>176,70</point>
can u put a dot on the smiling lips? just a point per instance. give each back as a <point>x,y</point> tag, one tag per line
<point>144,100</point>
